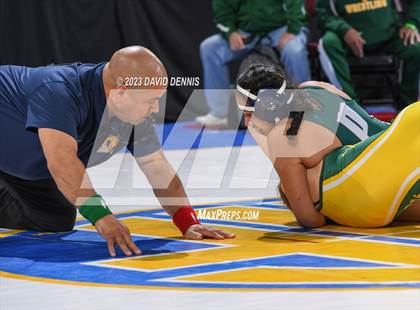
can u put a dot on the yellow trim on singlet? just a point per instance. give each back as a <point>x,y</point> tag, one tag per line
<point>362,158</point>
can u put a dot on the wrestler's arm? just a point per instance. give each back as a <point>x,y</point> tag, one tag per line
<point>412,213</point>
<point>294,180</point>
<point>288,151</point>
<point>283,195</point>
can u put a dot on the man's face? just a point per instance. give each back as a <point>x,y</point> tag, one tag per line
<point>135,105</point>
<point>241,101</point>
<point>252,122</point>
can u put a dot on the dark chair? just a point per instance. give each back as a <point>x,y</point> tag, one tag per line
<point>313,38</point>
<point>376,77</point>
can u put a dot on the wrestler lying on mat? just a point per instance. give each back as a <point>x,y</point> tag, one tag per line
<point>334,160</point>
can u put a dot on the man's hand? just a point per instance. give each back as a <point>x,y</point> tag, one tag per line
<point>284,39</point>
<point>115,232</point>
<point>409,36</point>
<point>198,232</point>
<point>236,41</point>
<point>355,41</point>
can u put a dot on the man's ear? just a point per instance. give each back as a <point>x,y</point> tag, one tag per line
<point>121,91</point>
<point>116,95</point>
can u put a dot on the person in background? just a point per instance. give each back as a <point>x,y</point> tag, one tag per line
<point>354,26</point>
<point>243,24</point>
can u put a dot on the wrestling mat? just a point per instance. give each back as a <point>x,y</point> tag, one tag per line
<point>270,253</point>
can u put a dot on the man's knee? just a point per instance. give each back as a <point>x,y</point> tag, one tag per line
<point>62,220</point>
<point>66,224</point>
<point>294,48</point>
<point>209,46</point>
<point>412,53</point>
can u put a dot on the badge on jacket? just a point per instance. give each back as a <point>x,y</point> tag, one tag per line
<point>109,144</point>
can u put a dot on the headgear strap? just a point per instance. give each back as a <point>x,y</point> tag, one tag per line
<point>282,88</point>
<point>246,93</point>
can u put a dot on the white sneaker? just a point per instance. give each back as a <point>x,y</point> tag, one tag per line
<point>211,120</point>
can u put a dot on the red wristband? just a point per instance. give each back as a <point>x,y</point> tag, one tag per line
<point>184,218</point>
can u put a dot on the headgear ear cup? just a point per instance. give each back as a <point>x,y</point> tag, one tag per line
<point>271,105</point>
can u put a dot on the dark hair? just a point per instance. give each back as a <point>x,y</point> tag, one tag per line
<point>263,81</point>
<point>261,76</point>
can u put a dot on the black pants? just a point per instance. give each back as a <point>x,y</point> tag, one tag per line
<point>34,205</point>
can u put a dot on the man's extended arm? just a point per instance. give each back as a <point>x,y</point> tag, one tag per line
<point>225,16</point>
<point>328,18</point>
<point>60,150</point>
<point>295,16</point>
<point>170,192</point>
<point>413,13</point>
<point>409,32</point>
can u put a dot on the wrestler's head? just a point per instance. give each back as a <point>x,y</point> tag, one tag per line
<point>257,85</point>
<point>266,96</point>
<point>134,81</point>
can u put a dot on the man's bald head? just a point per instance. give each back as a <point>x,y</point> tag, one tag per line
<point>133,62</point>
<point>134,81</point>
